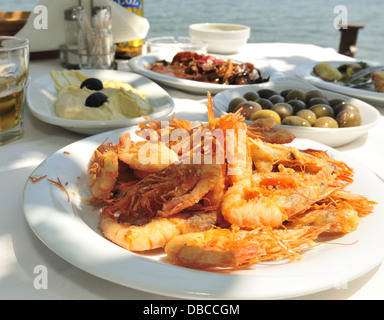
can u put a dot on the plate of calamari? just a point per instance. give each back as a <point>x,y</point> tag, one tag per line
<point>199,73</point>
<point>221,209</point>
<point>94,101</point>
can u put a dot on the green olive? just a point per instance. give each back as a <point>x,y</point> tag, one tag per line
<point>276,99</point>
<point>326,122</point>
<point>317,100</point>
<point>345,106</point>
<point>322,110</point>
<point>251,96</point>
<point>266,93</point>
<point>295,121</point>
<point>314,94</point>
<point>307,115</point>
<point>234,103</point>
<point>283,109</point>
<point>248,108</point>
<point>266,114</point>
<point>295,95</point>
<point>265,103</point>
<point>297,105</point>
<point>348,118</point>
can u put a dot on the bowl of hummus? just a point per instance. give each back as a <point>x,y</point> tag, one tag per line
<point>95,101</point>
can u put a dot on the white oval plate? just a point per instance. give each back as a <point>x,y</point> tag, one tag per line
<point>141,65</point>
<point>306,72</point>
<point>330,137</point>
<point>41,96</point>
<point>70,229</point>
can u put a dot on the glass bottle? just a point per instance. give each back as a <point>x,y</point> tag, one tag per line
<point>127,50</point>
<point>72,29</point>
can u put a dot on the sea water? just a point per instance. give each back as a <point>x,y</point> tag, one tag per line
<point>300,21</point>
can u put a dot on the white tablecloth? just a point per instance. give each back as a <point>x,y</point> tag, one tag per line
<point>21,251</point>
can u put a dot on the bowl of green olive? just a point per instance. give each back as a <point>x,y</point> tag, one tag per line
<point>308,112</point>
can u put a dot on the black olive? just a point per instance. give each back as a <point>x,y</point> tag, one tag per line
<point>276,98</point>
<point>297,105</point>
<point>266,93</point>
<point>317,100</point>
<point>314,94</point>
<point>92,84</point>
<point>285,92</point>
<point>335,102</point>
<point>251,96</point>
<point>96,100</point>
<point>265,103</point>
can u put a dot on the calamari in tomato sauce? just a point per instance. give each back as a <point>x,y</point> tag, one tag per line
<point>207,68</point>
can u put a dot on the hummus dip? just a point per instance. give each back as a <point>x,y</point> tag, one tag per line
<point>123,102</point>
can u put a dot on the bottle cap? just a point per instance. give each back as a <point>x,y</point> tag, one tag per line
<point>71,14</point>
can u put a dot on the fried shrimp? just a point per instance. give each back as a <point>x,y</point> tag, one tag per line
<point>341,210</point>
<point>167,192</point>
<point>226,248</point>
<point>157,233</point>
<point>359,203</point>
<point>161,130</point>
<point>267,156</point>
<point>268,199</point>
<point>220,194</point>
<point>145,155</point>
<point>103,171</point>
<point>341,219</point>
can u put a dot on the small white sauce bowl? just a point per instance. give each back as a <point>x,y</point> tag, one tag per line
<point>222,38</point>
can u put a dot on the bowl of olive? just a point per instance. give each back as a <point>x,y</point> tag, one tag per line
<point>308,112</point>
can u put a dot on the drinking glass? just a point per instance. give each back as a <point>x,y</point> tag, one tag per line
<point>14,62</point>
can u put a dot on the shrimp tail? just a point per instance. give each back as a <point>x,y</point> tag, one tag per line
<point>211,115</point>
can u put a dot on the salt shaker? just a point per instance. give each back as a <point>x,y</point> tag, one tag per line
<point>72,29</point>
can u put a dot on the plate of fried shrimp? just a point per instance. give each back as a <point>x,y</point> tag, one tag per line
<point>216,210</point>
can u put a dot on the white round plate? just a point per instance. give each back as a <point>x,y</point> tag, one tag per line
<point>70,229</point>
<point>306,72</point>
<point>41,96</point>
<point>330,137</point>
<point>141,65</point>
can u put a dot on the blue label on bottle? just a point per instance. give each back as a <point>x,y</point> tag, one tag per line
<point>129,3</point>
